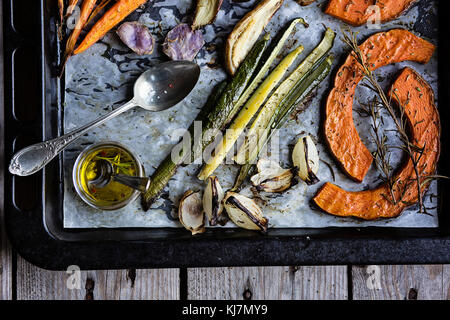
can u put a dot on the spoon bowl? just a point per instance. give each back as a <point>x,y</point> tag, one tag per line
<point>160,88</point>
<point>105,174</point>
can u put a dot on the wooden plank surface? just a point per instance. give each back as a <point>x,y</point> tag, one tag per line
<point>285,283</point>
<point>6,292</point>
<point>404,282</point>
<point>155,284</point>
<point>396,282</point>
<point>446,283</point>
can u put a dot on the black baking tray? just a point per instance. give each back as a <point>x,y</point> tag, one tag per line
<point>33,205</point>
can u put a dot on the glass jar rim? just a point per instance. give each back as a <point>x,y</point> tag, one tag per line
<point>76,178</point>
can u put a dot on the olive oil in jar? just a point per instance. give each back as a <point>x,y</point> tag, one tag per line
<point>114,195</point>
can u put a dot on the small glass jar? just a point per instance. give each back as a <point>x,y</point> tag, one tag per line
<point>114,195</point>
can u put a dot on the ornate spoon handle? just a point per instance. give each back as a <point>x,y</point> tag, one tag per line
<point>33,158</point>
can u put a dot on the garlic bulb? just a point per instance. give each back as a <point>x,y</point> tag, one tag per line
<point>212,201</point>
<point>244,212</point>
<point>266,164</point>
<point>190,212</point>
<point>306,160</point>
<point>271,177</point>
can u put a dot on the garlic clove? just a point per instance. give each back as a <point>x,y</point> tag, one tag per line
<point>190,212</point>
<point>244,212</point>
<point>273,182</point>
<point>306,160</point>
<point>212,201</point>
<point>271,177</point>
<point>267,165</point>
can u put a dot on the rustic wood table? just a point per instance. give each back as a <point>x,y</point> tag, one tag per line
<point>22,281</point>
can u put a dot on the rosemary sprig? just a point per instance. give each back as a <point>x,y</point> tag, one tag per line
<point>381,157</point>
<point>118,165</point>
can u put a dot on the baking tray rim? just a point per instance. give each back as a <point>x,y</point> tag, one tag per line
<point>46,240</point>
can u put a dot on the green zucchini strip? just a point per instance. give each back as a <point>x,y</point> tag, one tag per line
<point>298,93</point>
<point>246,114</point>
<point>259,127</point>
<point>266,63</point>
<point>214,116</point>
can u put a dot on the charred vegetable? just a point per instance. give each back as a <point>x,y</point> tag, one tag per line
<point>416,96</point>
<point>215,115</point>
<point>97,10</point>
<point>267,60</point>
<point>86,10</point>
<point>137,37</point>
<point>183,43</point>
<point>260,127</point>
<point>61,10</point>
<point>357,12</point>
<point>305,2</point>
<point>340,132</point>
<point>247,31</point>
<point>306,159</point>
<point>212,201</point>
<point>244,212</point>
<point>71,7</point>
<point>300,91</point>
<point>206,12</point>
<point>119,11</point>
<point>271,177</point>
<point>248,111</point>
<point>190,212</point>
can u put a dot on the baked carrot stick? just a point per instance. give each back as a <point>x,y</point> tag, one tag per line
<point>97,9</point>
<point>71,7</point>
<point>61,9</point>
<point>86,9</point>
<point>112,17</point>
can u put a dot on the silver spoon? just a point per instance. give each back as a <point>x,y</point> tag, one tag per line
<point>158,88</point>
<point>105,174</point>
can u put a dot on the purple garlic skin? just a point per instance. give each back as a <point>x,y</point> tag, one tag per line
<point>183,43</point>
<point>137,37</point>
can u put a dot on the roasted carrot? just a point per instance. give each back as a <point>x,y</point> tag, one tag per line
<point>71,7</point>
<point>61,9</point>
<point>86,9</point>
<point>97,9</point>
<point>112,17</point>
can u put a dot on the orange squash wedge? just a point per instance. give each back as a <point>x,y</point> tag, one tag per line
<point>340,132</point>
<point>357,12</point>
<point>417,97</point>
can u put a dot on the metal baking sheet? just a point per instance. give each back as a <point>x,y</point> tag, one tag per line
<point>102,77</point>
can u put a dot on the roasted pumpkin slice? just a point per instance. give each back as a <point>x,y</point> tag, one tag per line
<point>416,96</point>
<point>358,12</point>
<point>340,132</point>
